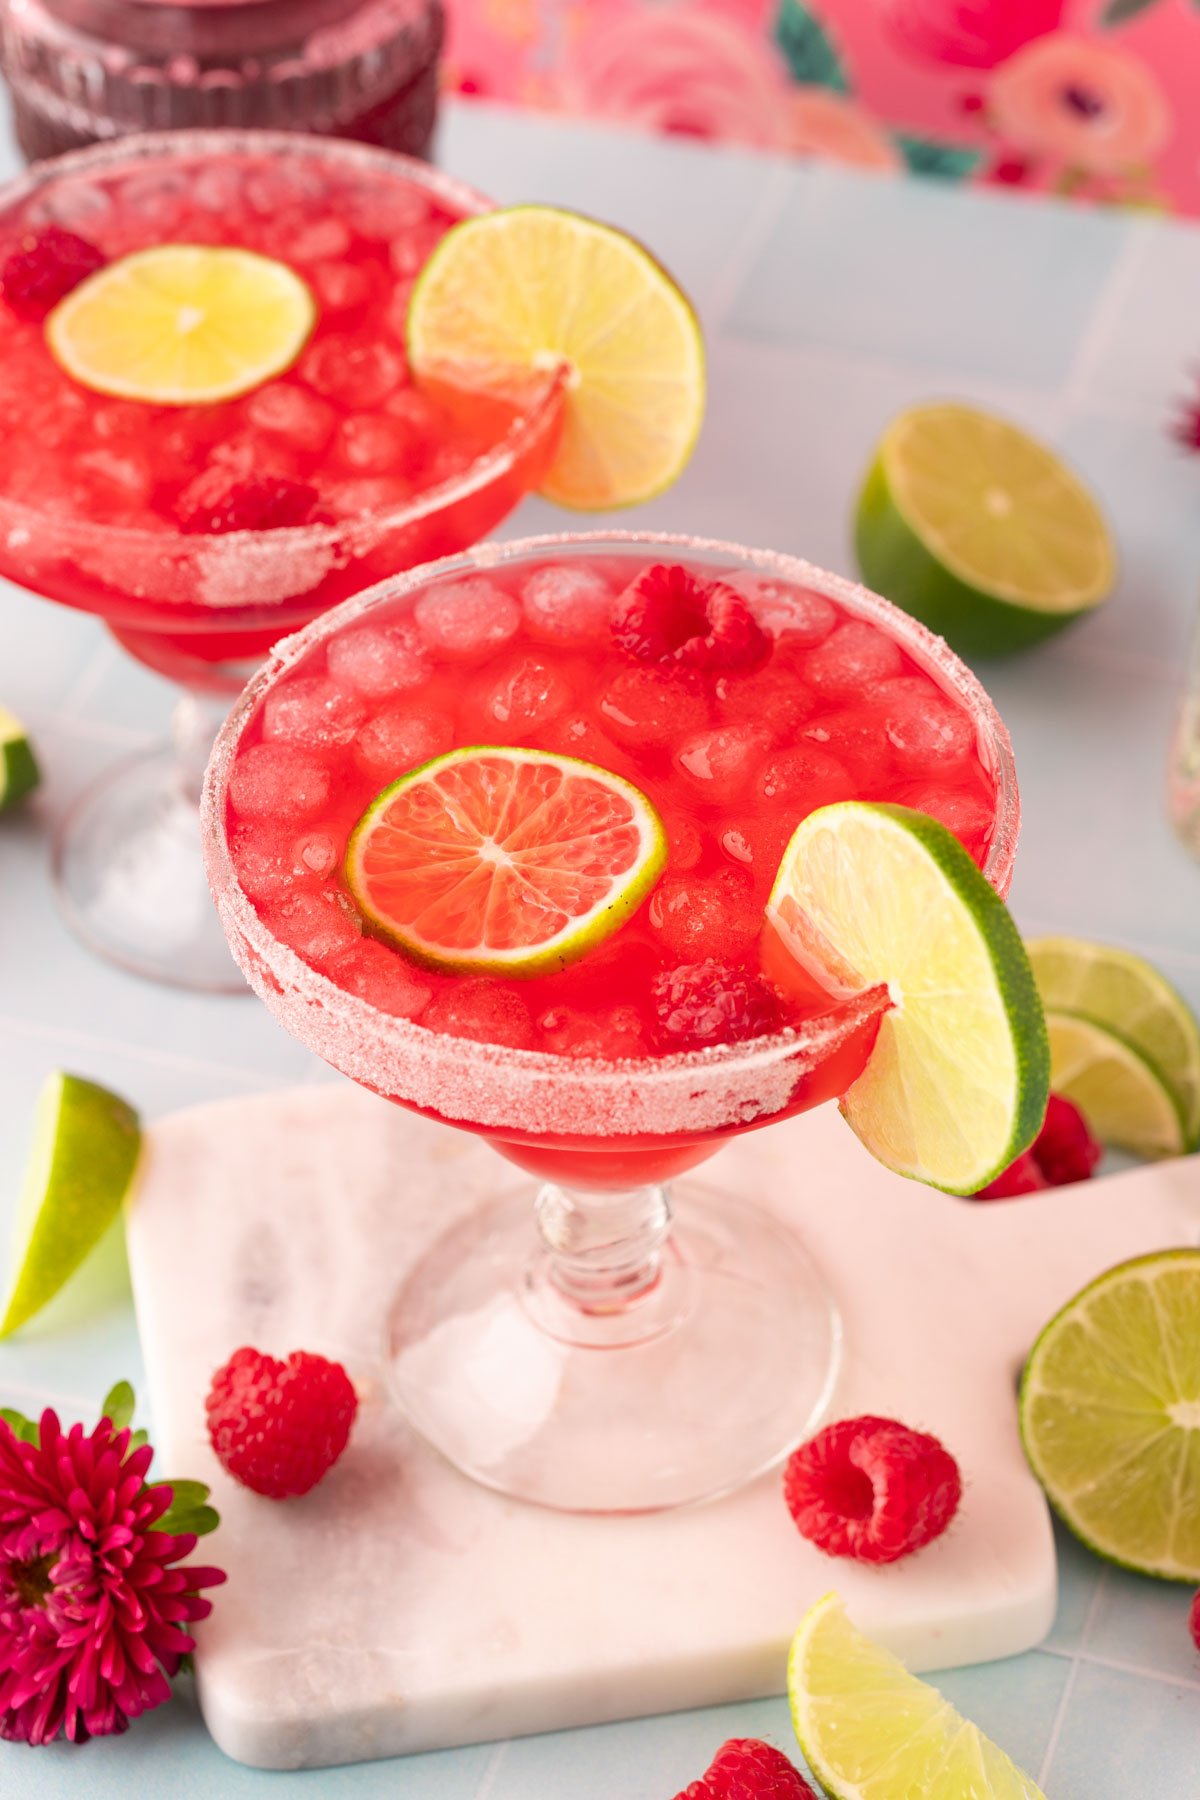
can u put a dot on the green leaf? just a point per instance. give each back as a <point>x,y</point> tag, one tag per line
<point>949,162</point>
<point>1118,11</point>
<point>186,1493</point>
<point>198,1519</point>
<point>138,1440</point>
<point>187,1663</point>
<point>119,1405</point>
<point>22,1428</point>
<point>808,48</point>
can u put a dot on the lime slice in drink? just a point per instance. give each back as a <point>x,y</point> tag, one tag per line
<point>1118,1092</point>
<point>501,861</point>
<point>510,296</point>
<point>871,1731</point>
<point>1110,1414</point>
<point>1124,993</point>
<point>82,1161</point>
<point>19,773</point>
<point>980,531</point>
<point>182,324</point>
<point>957,1082</point>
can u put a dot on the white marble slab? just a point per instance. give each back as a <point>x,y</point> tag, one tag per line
<point>401,1608</point>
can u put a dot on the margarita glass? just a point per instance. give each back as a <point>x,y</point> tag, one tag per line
<point>600,1361</point>
<point>107,504</point>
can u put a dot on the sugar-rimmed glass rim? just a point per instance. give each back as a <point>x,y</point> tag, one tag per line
<point>514,1078</point>
<point>188,145</point>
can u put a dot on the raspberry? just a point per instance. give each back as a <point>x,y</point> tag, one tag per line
<point>748,1769</point>
<point>666,615</point>
<point>712,1003</point>
<point>1194,1621</point>
<point>45,268</point>
<point>1063,1151</point>
<point>871,1489</point>
<point>222,500</point>
<point>278,1427</point>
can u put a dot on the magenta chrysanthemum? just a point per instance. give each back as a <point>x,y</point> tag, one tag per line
<point>94,1607</point>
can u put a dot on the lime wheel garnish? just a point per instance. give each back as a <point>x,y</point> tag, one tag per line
<point>504,861</point>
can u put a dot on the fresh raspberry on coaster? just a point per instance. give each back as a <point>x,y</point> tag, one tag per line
<point>279,1427</point>
<point>666,615</point>
<point>871,1489</point>
<point>748,1769</point>
<point>1064,1151</point>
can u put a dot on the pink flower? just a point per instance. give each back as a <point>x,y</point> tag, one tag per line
<point>828,125</point>
<point>974,34</point>
<point>687,70</point>
<point>93,1607</point>
<point>1079,104</point>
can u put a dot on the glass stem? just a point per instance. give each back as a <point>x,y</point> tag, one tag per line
<point>604,1250</point>
<point>195,721</point>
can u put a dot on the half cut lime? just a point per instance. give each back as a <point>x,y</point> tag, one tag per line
<point>19,772</point>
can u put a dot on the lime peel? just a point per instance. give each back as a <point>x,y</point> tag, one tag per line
<point>1118,1091</point>
<point>19,772</point>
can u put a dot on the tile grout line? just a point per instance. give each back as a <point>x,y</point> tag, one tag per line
<point>759,227</point>
<point>1060,1716</point>
<point>1099,329</point>
<point>90,678</point>
<point>145,1053</point>
<point>487,1781</point>
<point>1162,1676</point>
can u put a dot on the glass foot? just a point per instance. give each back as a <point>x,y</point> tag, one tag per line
<point>130,876</point>
<point>540,1376</point>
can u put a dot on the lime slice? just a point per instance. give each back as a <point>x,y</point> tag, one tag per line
<point>1110,1414</point>
<point>956,1085</point>
<point>512,295</point>
<point>1124,1101</point>
<point>504,861</point>
<point>1119,990</point>
<point>871,1731</point>
<point>980,531</point>
<point>84,1153</point>
<point>182,324</point>
<point>19,773</point>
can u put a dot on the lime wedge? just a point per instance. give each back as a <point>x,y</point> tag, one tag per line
<point>182,325</point>
<point>957,1083</point>
<point>510,296</point>
<point>1124,993</point>
<point>19,773</point>
<point>871,1731</point>
<point>1124,1101</point>
<point>1110,1414</point>
<point>975,528</point>
<point>501,861</point>
<point>82,1161</point>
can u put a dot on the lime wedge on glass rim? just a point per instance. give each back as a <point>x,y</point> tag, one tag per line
<point>82,1161</point>
<point>182,324</point>
<point>503,861</point>
<point>1110,1414</point>
<point>956,1085</point>
<point>871,1731</point>
<point>980,531</point>
<point>1119,1093</point>
<point>512,295</point>
<point>1126,995</point>
<point>19,772</point>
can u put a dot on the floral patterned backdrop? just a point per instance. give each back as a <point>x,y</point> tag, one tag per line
<point>1096,99</point>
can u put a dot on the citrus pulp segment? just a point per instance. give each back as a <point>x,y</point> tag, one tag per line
<point>509,297</point>
<point>1127,995</point>
<point>84,1154</point>
<point>1110,1414</point>
<point>182,324</point>
<point>871,1731</point>
<point>19,772</point>
<point>957,1082</point>
<point>980,531</point>
<point>502,861</point>
<point>1118,1092</point>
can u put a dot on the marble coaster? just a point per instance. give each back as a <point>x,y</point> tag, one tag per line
<point>400,1608</point>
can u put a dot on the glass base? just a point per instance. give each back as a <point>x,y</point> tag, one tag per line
<point>702,1381</point>
<point>130,877</point>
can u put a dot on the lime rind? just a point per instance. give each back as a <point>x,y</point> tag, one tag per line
<point>576,939</point>
<point>515,294</point>
<point>19,771</point>
<point>1120,1093</point>
<point>957,1082</point>
<point>84,1154</point>
<point>1121,991</point>
<point>871,1730</point>
<point>1114,1403</point>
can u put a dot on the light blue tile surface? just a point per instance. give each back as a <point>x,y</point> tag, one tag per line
<point>829,301</point>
